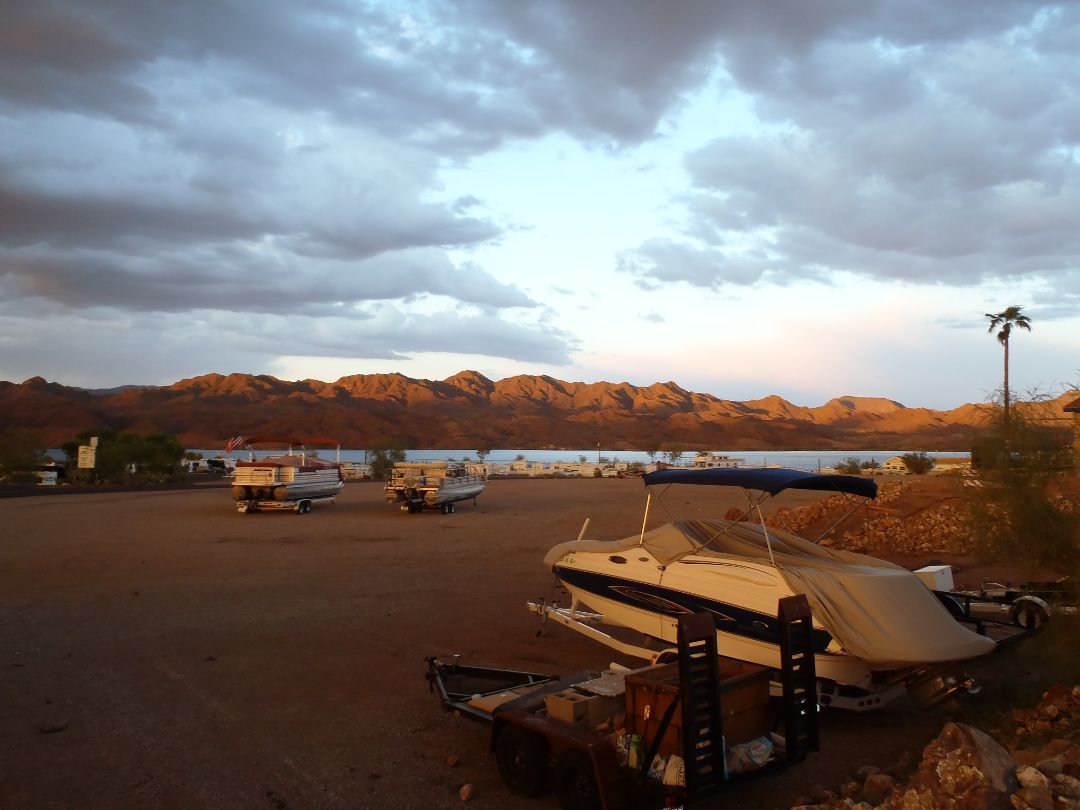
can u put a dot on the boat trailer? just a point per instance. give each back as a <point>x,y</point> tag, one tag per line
<point>688,728</point>
<point>929,686</point>
<point>299,505</point>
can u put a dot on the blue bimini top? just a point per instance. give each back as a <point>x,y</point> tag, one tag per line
<point>771,479</point>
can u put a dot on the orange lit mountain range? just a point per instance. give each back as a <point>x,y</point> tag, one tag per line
<point>468,410</point>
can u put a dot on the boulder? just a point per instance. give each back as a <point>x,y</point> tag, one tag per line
<point>1028,776</point>
<point>963,769</point>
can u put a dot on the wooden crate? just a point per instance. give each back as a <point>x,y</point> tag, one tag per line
<point>744,699</point>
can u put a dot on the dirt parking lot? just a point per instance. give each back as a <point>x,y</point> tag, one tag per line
<point>158,649</point>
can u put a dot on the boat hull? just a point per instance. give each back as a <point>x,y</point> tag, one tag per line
<point>743,634</point>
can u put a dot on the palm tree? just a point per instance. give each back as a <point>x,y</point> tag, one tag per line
<point>1007,320</point>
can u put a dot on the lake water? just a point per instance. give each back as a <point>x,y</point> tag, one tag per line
<point>810,460</point>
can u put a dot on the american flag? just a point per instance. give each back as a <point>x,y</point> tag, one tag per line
<point>233,443</point>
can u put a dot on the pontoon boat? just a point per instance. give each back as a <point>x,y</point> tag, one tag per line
<point>289,477</point>
<point>434,484</point>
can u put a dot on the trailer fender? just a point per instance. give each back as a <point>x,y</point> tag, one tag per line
<point>585,749</point>
<point>521,756</point>
<point>1030,612</point>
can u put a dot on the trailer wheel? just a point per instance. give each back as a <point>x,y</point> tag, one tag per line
<point>451,508</point>
<point>1029,613</point>
<point>303,507</point>
<point>575,782</point>
<point>522,759</point>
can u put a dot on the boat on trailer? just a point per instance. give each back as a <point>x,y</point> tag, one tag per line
<point>293,479</point>
<point>879,631</point>
<point>419,485</point>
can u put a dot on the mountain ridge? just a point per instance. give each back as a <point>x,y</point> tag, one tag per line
<point>469,410</point>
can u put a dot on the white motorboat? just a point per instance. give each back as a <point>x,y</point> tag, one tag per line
<point>417,485</point>
<point>877,627</point>
<point>291,479</point>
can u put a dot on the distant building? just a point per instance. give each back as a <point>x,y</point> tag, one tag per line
<point>895,465</point>
<point>709,461</point>
<point>950,465</point>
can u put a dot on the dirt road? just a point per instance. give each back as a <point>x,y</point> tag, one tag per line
<point>160,650</point>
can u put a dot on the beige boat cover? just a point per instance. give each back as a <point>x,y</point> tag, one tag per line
<point>878,611</point>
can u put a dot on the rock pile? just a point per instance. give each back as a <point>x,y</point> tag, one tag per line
<point>944,528</point>
<point>1057,713</point>
<point>966,769</point>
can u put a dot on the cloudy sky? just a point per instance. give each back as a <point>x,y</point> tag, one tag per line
<point>788,197</point>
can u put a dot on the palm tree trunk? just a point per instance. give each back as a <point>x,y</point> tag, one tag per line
<point>1005,343</point>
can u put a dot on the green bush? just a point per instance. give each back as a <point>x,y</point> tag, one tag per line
<point>384,452</point>
<point>20,452</point>
<point>126,458</point>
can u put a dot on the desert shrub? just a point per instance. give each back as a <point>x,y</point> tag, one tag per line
<point>1025,512</point>
<point>849,466</point>
<point>917,463</point>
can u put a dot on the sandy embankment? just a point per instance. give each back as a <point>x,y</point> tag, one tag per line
<point>196,657</point>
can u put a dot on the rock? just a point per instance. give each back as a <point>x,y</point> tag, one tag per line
<point>963,768</point>
<point>877,787</point>
<point>864,771</point>
<point>1031,777</point>
<point>1067,786</point>
<point>466,792</point>
<point>823,796</point>
<point>849,790</point>
<point>452,761</point>
<point>904,765</point>
<point>1034,797</point>
<point>1051,766</point>
<point>1050,711</point>
<point>53,728</point>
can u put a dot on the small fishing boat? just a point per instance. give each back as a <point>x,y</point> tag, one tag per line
<point>419,485</point>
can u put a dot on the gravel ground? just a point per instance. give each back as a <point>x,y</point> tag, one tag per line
<point>158,649</point>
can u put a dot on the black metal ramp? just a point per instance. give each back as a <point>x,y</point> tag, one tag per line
<point>798,677</point>
<point>702,723</point>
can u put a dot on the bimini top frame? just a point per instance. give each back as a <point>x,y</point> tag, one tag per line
<point>767,481</point>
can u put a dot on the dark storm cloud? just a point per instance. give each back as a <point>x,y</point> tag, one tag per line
<point>263,158</point>
<point>188,281</point>
<point>199,342</point>
<point>186,157</point>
